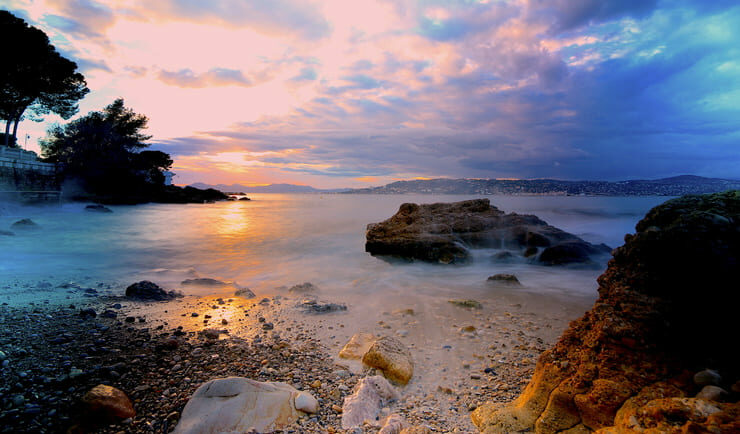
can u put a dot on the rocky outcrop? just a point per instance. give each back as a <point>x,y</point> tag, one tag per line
<point>444,232</point>
<point>242,405</point>
<point>25,224</point>
<point>662,315</point>
<point>146,290</point>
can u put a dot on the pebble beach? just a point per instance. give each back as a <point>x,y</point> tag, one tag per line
<point>159,353</point>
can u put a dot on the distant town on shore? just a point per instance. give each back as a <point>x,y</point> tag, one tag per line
<point>674,186</point>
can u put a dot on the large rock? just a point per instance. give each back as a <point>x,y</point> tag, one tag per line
<point>392,358</point>
<point>663,312</point>
<point>238,405</point>
<point>370,395</point>
<point>443,232</point>
<point>146,290</point>
<point>107,403</point>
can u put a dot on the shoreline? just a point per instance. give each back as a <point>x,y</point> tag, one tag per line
<point>455,370</point>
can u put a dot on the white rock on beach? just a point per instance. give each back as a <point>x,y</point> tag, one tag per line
<point>235,404</point>
<point>371,394</point>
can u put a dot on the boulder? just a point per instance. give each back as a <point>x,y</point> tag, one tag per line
<point>357,346</point>
<point>504,279</point>
<point>25,224</point>
<point>107,403</point>
<point>236,404</point>
<point>504,257</point>
<point>444,233</point>
<point>663,302</point>
<point>146,290</point>
<point>391,357</point>
<point>370,395</point>
<point>98,208</point>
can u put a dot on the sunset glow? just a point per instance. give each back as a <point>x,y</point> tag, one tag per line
<point>334,93</point>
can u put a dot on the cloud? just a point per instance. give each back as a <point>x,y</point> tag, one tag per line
<point>299,18</point>
<point>213,77</point>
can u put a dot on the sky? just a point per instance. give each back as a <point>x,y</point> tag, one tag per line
<point>337,93</point>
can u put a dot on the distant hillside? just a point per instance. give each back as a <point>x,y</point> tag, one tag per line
<point>272,188</point>
<point>674,186</point>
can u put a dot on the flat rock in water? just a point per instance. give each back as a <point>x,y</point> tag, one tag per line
<point>7,233</point>
<point>466,303</point>
<point>504,279</point>
<point>108,403</point>
<point>392,358</point>
<point>236,405</point>
<point>444,233</point>
<point>370,395</point>
<point>357,346</point>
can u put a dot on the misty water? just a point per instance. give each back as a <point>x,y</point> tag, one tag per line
<point>275,241</point>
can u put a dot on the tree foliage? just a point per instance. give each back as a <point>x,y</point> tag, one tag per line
<point>104,150</point>
<point>34,75</point>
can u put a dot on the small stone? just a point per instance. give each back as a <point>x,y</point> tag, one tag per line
<point>306,403</point>
<point>224,321</point>
<point>504,279</point>
<point>468,329</point>
<point>194,314</point>
<point>316,384</point>
<point>336,408</point>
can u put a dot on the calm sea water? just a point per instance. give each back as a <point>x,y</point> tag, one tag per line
<point>282,240</point>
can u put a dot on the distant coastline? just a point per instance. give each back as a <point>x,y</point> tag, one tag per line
<point>674,186</point>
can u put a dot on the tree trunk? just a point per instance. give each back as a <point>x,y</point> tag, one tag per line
<point>15,128</point>
<point>7,131</point>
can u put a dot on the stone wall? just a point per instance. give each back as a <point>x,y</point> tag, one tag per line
<point>24,177</point>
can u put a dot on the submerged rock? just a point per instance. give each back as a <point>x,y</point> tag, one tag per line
<point>239,405</point>
<point>146,290</point>
<point>25,224</point>
<point>313,306</point>
<point>203,281</point>
<point>474,304</point>
<point>370,395</point>
<point>662,302</point>
<point>390,356</point>
<point>504,279</point>
<point>6,233</point>
<point>303,287</point>
<point>244,292</point>
<point>443,232</point>
<point>98,208</point>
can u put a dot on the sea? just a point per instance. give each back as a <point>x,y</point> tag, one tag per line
<point>275,241</point>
